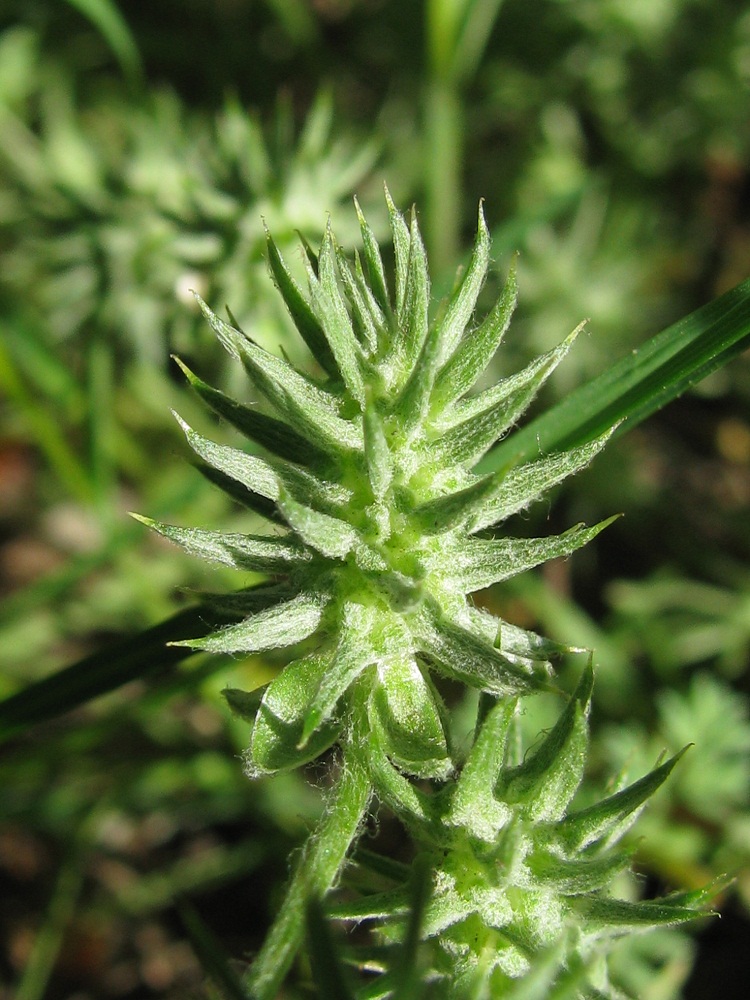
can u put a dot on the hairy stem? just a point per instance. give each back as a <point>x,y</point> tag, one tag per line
<point>315,873</point>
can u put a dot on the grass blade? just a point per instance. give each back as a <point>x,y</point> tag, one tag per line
<point>211,954</point>
<point>640,383</point>
<point>106,669</point>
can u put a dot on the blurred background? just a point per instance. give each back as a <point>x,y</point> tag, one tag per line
<point>141,148</point>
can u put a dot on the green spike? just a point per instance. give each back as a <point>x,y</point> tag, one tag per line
<point>374,262</point>
<point>477,348</point>
<point>479,563</point>
<point>269,432</point>
<point>282,625</point>
<point>300,311</point>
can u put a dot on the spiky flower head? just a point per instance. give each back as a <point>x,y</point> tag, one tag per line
<point>379,525</point>
<point>519,903</point>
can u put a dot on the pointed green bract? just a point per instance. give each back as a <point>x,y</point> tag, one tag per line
<point>299,309</point>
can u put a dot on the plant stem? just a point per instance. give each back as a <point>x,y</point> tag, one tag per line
<point>444,146</point>
<point>316,870</point>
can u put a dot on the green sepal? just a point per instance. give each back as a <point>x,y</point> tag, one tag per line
<point>574,876</point>
<point>334,319</point>
<point>476,348</point>
<point>544,784</point>
<point>354,653</point>
<point>409,723</point>
<point>373,262</point>
<point>281,625</point>
<point>299,309</point>
<point>611,817</point>
<point>311,411</point>
<point>244,704</point>
<point>606,917</point>
<point>269,432</point>
<point>478,563</point>
<point>464,299</point>
<point>412,317</point>
<point>416,809</point>
<point>473,804</point>
<point>466,657</point>
<point>524,484</point>
<point>275,743</point>
<point>401,241</point>
<point>473,425</point>
<point>328,535</point>
<point>256,553</point>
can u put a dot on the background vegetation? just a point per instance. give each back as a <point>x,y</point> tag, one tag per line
<point>140,147</point>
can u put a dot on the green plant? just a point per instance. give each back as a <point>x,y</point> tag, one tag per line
<point>381,531</point>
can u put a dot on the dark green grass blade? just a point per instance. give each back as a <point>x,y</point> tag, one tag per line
<point>640,383</point>
<point>328,972</point>
<point>210,953</point>
<point>107,669</point>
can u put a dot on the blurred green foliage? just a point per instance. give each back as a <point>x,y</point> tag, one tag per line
<point>141,145</point>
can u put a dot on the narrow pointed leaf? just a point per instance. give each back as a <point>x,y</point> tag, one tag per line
<point>311,411</point>
<point>465,657</point>
<point>366,317</point>
<point>475,424</point>
<point>328,535</point>
<point>464,300</point>
<point>299,309</point>
<point>377,453</point>
<point>546,781</point>
<point>279,626</point>
<point>573,876</point>
<point>240,494</point>
<point>412,317</point>
<point>527,483</point>
<point>273,434</point>
<point>250,470</point>
<point>353,655</point>
<point>473,805</point>
<point>449,511</point>
<point>257,553</point>
<point>334,319</point>
<point>613,916</point>
<point>277,730</point>
<point>401,241</point>
<point>479,563</point>
<point>374,262</point>
<point>477,348</point>
<point>118,663</point>
<point>612,816</point>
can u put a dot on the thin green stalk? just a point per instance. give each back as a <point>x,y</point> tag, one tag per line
<point>46,948</point>
<point>315,872</point>
<point>444,141</point>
